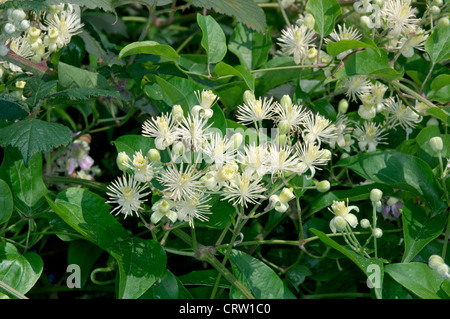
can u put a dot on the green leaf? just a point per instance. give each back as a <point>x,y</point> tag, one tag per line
<point>213,40</point>
<point>32,136</point>
<point>86,94</point>
<point>259,278</point>
<point>400,171</point>
<point>221,214</point>
<point>440,87</point>
<point>417,278</point>
<point>419,229</point>
<point>37,5</point>
<point>12,111</point>
<point>6,202</point>
<point>439,113</point>
<point>84,254</point>
<point>169,92</point>
<point>252,48</point>
<point>239,71</point>
<point>245,11</point>
<point>325,13</point>
<point>19,271</point>
<point>356,64</point>
<point>148,47</point>
<point>438,44</point>
<point>37,89</point>
<point>105,5</point>
<point>334,48</point>
<point>71,77</point>
<point>148,3</point>
<point>365,264</point>
<point>203,278</point>
<point>25,182</point>
<point>133,143</point>
<point>141,261</point>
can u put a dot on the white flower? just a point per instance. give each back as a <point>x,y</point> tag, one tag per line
<point>143,170</point>
<point>194,207</point>
<point>344,33</point>
<point>219,149</point>
<point>21,47</point>
<point>318,129</point>
<point>342,213</point>
<point>192,131</point>
<point>290,115</point>
<point>296,40</point>
<point>255,111</point>
<point>254,159</point>
<point>206,100</point>
<point>162,129</point>
<point>180,182</point>
<point>356,86</point>
<point>310,156</point>
<point>408,44</point>
<point>342,130</point>
<point>67,23</point>
<point>163,208</point>
<point>244,190</point>
<point>369,136</point>
<point>283,161</point>
<point>400,114</point>
<point>128,194</point>
<point>399,16</point>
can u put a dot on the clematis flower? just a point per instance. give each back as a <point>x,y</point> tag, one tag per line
<point>342,216</point>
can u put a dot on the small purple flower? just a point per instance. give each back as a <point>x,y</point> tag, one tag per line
<point>79,157</point>
<point>392,209</point>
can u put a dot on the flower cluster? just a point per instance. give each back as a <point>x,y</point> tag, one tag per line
<point>241,167</point>
<point>36,37</point>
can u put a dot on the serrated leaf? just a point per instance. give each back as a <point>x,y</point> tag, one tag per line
<point>32,136</point>
<point>37,89</point>
<point>86,94</point>
<point>11,111</point>
<point>325,13</point>
<point>37,5</point>
<point>213,39</point>
<point>148,3</point>
<point>245,11</point>
<point>106,5</point>
<point>72,77</point>
<point>6,202</point>
<point>148,47</point>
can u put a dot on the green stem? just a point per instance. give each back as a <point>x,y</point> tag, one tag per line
<point>374,222</point>
<point>12,291</point>
<point>413,93</point>
<point>208,257</point>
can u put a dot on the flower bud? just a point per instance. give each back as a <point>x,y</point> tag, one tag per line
<point>309,21</point>
<point>34,33</point>
<point>375,195</point>
<point>153,155</point>
<point>286,195</point>
<point>432,122</point>
<point>436,144</point>
<point>3,50</point>
<point>249,97</point>
<point>438,2</point>
<point>177,112</point>
<point>435,261</point>
<point>377,233</point>
<point>340,223</point>
<point>343,106</point>
<point>435,10</point>
<point>366,22</point>
<point>237,139</point>
<point>443,270</point>
<point>18,14</point>
<point>121,160</point>
<point>443,22</point>
<point>178,148</point>
<point>9,28</point>
<point>323,186</point>
<point>284,127</point>
<point>282,139</point>
<point>365,223</point>
<point>24,25</point>
<point>286,102</point>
